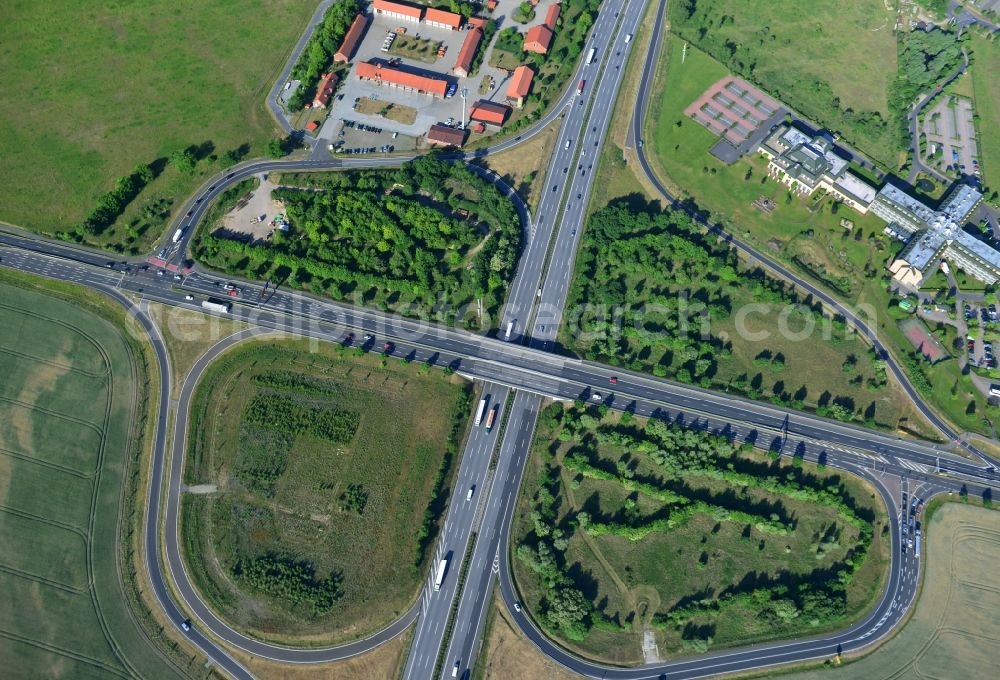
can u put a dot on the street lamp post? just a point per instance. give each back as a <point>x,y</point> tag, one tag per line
<point>465,93</point>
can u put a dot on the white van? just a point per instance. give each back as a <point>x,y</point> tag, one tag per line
<point>628,38</point>
<point>468,496</point>
<point>567,144</point>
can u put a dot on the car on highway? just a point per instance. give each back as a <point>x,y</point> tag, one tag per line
<point>517,606</point>
<point>468,496</point>
<point>186,625</point>
<point>613,380</point>
<point>189,297</point>
<point>454,670</point>
<point>596,396</point>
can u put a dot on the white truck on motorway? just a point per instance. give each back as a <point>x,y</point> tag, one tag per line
<point>479,412</point>
<point>178,235</point>
<point>439,576</point>
<point>591,54</point>
<point>510,327</point>
<point>216,306</point>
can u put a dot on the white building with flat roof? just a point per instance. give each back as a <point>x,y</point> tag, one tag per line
<point>935,235</point>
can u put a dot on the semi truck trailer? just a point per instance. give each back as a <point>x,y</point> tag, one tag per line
<point>217,306</point>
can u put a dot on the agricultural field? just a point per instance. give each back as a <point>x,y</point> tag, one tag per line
<point>185,74</point>
<point>806,235</point>
<point>954,630</point>
<point>612,503</point>
<point>428,236</point>
<point>323,474</point>
<point>985,66</point>
<point>69,402</point>
<point>834,62</point>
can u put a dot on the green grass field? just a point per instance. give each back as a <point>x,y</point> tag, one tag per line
<point>345,495</point>
<point>985,66</point>
<point>67,403</point>
<point>90,91</point>
<point>831,61</point>
<point>634,583</point>
<point>804,234</point>
<point>954,630</point>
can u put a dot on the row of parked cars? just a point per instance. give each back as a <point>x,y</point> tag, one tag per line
<point>353,124</point>
<point>385,148</point>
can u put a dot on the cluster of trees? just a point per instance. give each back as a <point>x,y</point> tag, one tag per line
<point>639,528</point>
<point>112,204</point>
<point>283,414</point>
<point>817,597</point>
<point>293,582</point>
<point>925,59</point>
<point>651,287</point>
<point>564,608</point>
<point>317,57</point>
<point>354,499</point>
<point>394,237</point>
<point>295,382</point>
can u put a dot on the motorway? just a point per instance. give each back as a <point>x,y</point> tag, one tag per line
<point>521,366</point>
<point>457,532</point>
<point>531,372</point>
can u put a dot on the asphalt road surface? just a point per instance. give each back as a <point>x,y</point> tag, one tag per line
<point>538,372</point>
<point>551,243</point>
<point>459,525</point>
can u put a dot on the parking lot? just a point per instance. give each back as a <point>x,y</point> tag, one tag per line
<point>951,136</point>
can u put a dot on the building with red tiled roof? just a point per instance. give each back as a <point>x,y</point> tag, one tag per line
<point>476,22</point>
<point>351,39</point>
<point>489,112</point>
<point>398,10</point>
<point>551,17</point>
<point>404,79</point>
<point>439,18</point>
<point>467,53</point>
<point>441,135</point>
<point>491,5</point>
<point>312,126</point>
<point>537,39</point>
<point>520,85</point>
<point>324,90</point>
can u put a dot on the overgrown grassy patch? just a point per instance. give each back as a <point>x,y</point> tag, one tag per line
<point>627,525</point>
<point>985,66</point>
<point>832,61</point>
<point>332,471</point>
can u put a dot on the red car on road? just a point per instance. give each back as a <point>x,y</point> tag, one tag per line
<point>613,380</point>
